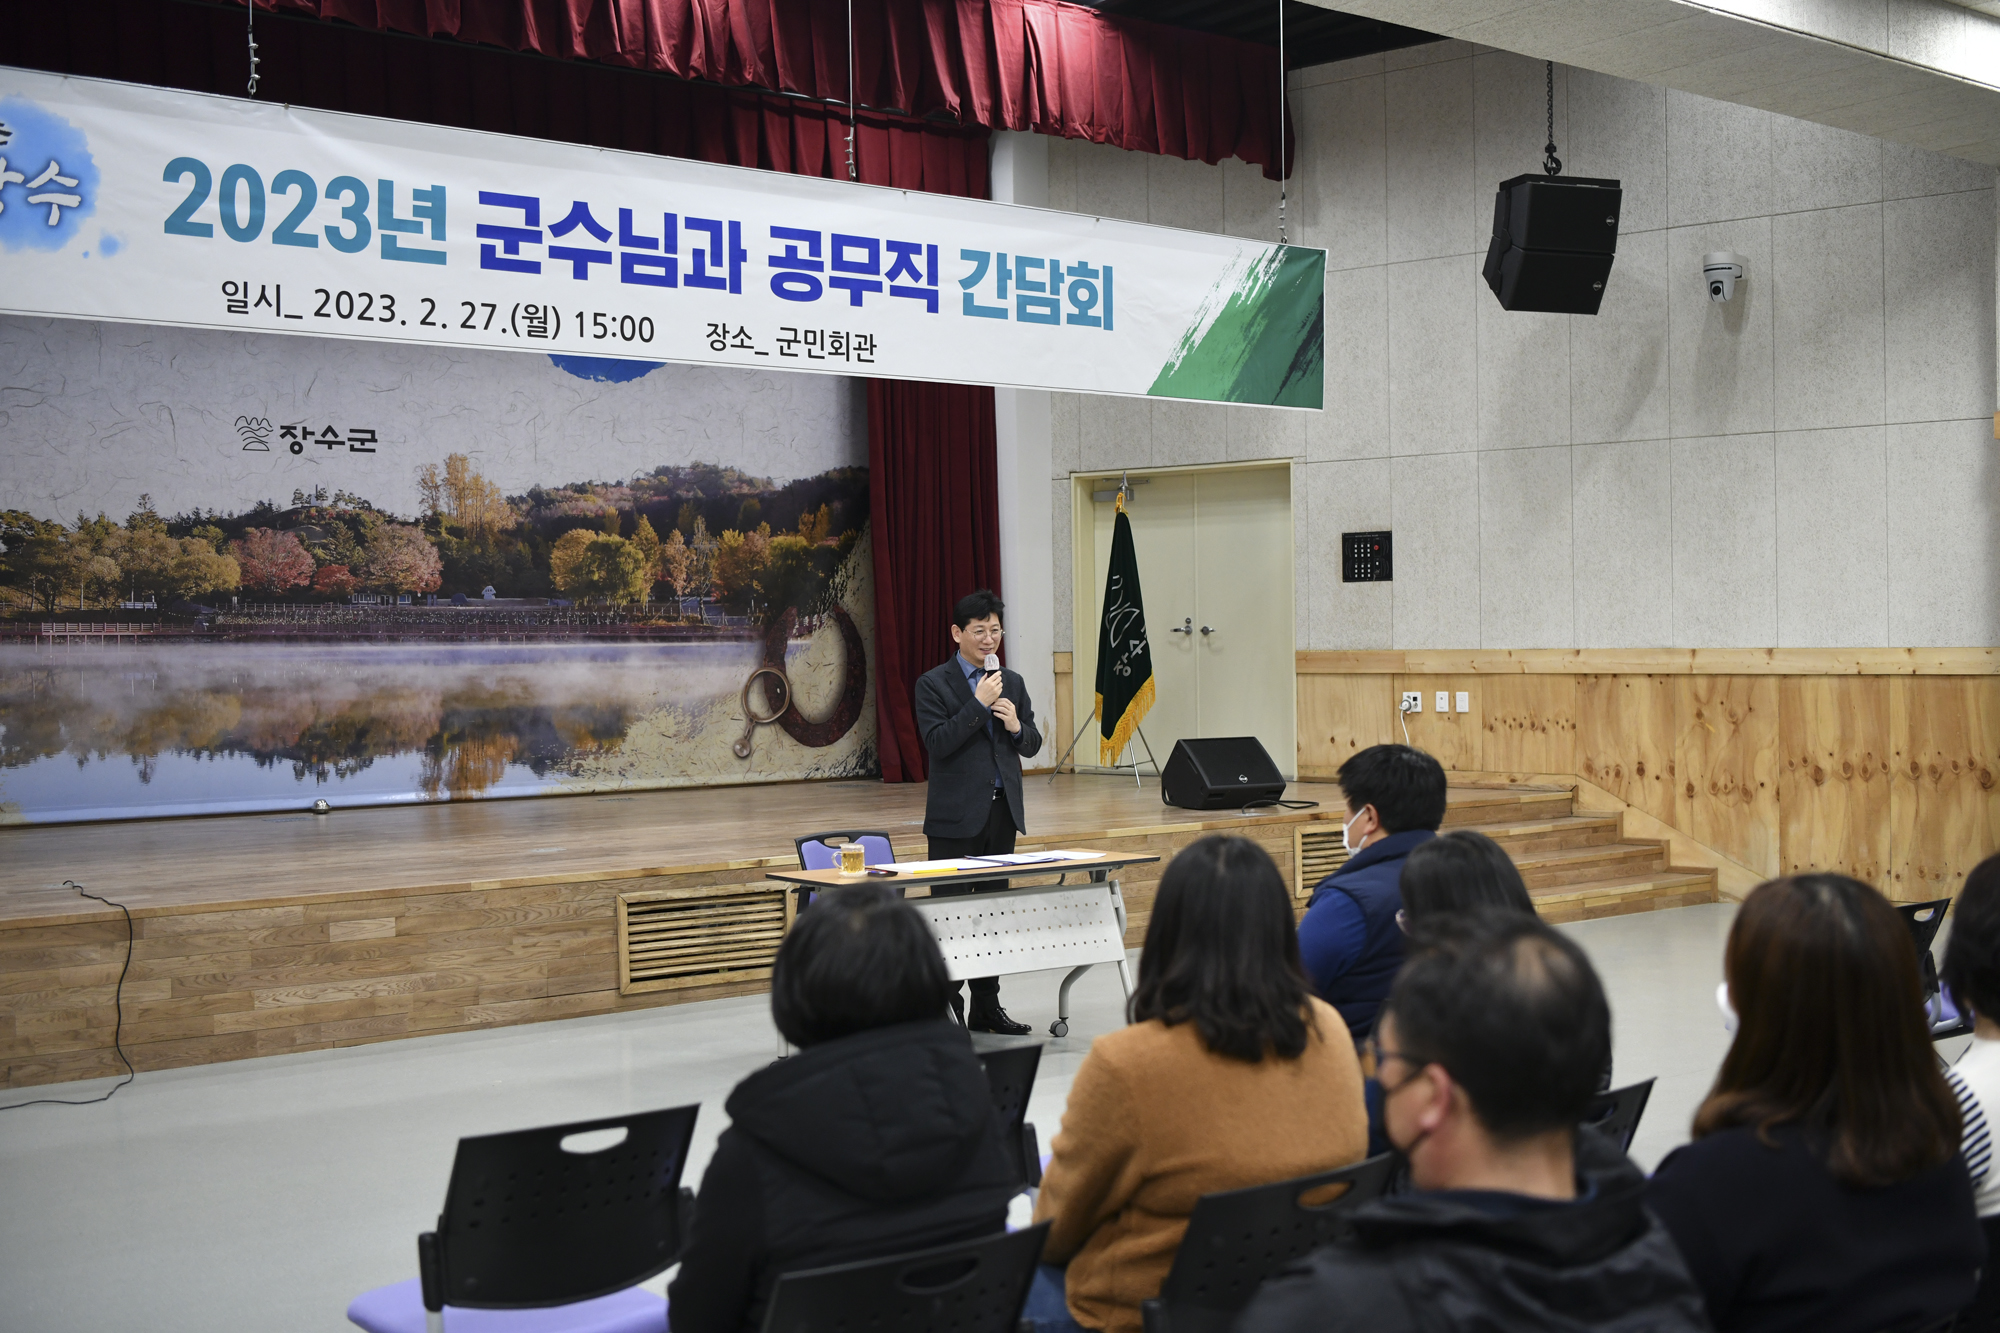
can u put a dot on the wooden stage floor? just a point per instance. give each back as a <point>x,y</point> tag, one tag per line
<point>256,935</point>
<point>174,865</point>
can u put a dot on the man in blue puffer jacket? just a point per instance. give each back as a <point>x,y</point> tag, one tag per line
<point>1349,939</point>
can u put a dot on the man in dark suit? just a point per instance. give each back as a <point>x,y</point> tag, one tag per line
<point>977,726</point>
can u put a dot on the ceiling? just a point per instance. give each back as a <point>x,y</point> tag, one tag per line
<point>1313,36</point>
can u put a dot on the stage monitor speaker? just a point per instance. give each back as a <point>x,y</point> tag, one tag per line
<point>1554,238</point>
<point>1220,772</point>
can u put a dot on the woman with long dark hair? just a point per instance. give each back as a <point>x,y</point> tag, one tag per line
<point>1824,1190</point>
<point>1231,1074</point>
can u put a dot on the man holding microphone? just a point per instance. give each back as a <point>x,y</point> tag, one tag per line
<point>977,726</point>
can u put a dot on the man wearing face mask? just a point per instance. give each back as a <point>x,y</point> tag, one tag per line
<point>1349,938</point>
<point>1489,1051</point>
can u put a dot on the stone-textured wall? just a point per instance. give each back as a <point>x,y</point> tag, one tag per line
<point>1810,465</point>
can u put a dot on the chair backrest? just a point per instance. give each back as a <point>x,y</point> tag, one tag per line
<point>1011,1072</point>
<point>975,1286</point>
<point>1616,1113</point>
<point>1924,920</point>
<point>820,851</point>
<point>1238,1238</point>
<point>528,1222</point>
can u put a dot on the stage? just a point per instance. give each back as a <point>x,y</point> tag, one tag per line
<point>260,934</point>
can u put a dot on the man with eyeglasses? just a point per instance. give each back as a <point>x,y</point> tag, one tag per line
<point>977,726</point>
<point>1489,1051</point>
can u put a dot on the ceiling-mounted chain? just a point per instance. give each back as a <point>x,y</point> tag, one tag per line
<point>1282,81</point>
<point>251,6</point>
<point>1552,164</point>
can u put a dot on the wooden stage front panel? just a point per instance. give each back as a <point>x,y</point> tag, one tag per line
<point>261,934</point>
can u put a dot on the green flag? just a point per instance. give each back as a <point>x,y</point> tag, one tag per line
<point>1124,662</point>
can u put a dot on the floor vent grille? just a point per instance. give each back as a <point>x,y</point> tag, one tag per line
<point>669,939</point>
<point>1316,853</point>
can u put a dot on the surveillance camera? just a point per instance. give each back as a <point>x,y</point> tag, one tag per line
<point>1721,271</point>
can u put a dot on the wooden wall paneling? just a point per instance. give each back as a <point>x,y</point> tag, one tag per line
<point>1944,785</point>
<point>1625,739</point>
<point>1456,739</point>
<point>1726,766</point>
<point>1064,712</point>
<point>1656,661</point>
<point>1528,722</point>
<point>1339,715</point>
<point>1833,788</point>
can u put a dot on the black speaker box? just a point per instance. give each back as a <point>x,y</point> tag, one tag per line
<point>1218,772</point>
<point>1554,238</point>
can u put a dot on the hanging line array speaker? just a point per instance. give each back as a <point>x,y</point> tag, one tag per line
<point>1218,772</point>
<point>1554,238</point>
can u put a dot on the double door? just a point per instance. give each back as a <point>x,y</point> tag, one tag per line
<point>1215,576</point>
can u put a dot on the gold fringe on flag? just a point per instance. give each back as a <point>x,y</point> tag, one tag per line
<point>1121,735</point>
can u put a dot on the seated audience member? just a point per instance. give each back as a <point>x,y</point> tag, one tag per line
<point>1823,1190</point>
<point>1453,872</point>
<point>1349,939</point>
<point>1489,1049</point>
<point>1972,975</point>
<point>878,1137</point>
<point>1230,1075</point>
<point>1458,871</point>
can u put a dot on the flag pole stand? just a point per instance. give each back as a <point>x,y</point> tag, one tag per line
<point>1128,749</point>
<point>1072,745</point>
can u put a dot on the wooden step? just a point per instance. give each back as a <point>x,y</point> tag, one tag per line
<point>1576,866</point>
<point>1626,894</point>
<point>1582,865</point>
<point>1475,807</point>
<point>1544,835</point>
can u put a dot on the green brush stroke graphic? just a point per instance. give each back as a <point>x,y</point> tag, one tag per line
<point>1262,342</point>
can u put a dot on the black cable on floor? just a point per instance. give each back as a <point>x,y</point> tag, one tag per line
<point>118,1000</point>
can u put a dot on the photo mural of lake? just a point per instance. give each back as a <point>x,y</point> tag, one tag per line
<point>468,623</point>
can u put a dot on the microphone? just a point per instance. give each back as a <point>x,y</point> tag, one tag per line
<point>992,661</point>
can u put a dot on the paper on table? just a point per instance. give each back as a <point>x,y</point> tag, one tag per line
<point>1034,858</point>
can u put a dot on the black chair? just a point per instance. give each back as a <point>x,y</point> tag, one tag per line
<point>1238,1238</point>
<point>1615,1114</point>
<point>975,1286</point>
<point>529,1223</point>
<point>1011,1071</point>
<point>1941,1014</point>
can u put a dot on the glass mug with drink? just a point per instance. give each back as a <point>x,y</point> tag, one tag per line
<point>852,858</point>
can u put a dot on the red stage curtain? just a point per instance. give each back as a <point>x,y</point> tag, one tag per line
<point>338,68</point>
<point>933,490</point>
<point>1007,64</point>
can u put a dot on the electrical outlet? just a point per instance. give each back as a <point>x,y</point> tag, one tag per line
<point>1464,702</point>
<point>1413,702</point>
<point>1444,701</point>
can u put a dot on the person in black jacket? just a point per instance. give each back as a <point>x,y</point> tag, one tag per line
<point>1824,1189</point>
<point>1489,1048</point>
<point>978,726</point>
<point>877,1138</point>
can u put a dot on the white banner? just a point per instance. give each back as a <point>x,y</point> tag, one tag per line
<point>123,202</point>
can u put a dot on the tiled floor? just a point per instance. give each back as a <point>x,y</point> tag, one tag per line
<point>262,1195</point>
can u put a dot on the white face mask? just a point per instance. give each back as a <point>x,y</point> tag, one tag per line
<point>1345,840</point>
<point>1722,1003</point>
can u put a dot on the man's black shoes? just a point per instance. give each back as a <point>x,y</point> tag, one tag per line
<point>988,1016</point>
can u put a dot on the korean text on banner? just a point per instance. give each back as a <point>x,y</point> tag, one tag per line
<point>121,202</point>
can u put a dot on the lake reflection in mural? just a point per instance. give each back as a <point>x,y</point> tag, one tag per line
<point>199,728</point>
